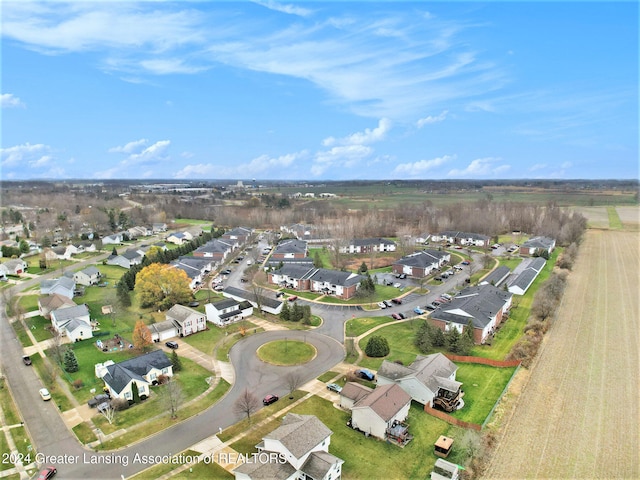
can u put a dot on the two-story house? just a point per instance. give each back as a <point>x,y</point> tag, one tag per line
<point>187,320</point>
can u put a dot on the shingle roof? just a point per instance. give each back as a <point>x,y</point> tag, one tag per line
<point>63,314</point>
<point>265,301</point>
<point>64,282</point>
<point>266,470</point>
<point>539,242</point>
<point>55,301</point>
<point>433,371</point>
<point>181,313</point>
<point>498,276</point>
<point>319,463</point>
<point>361,242</point>
<point>478,304</point>
<point>291,246</point>
<point>131,254</point>
<point>423,258</point>
<point>524,280</point>
<point>294,271</point>
<point>226,303</point>
<point>464,235</point>
<point>214,246</point>
<point>300,433</point>
<point>336,277</point>
<point>90,271</point>
<point>386,401</point>
<point>355,391</point>
<point>120,374</point>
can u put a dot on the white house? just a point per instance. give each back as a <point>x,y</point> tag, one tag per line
<point>159,227</point>
<point>3,272</point>
<point>520,284</point>
<point>63,286</point>
<point>266,304</point>
<point>115,239</point>
<point>88,276</point>
<point>127,259</point>
<point>422,263</point>
<point>187,319</point>
<point>73,322</point>
<point>378,412</point>
<point>424,380</point>
<point>162,331</point>
<point>143,370</point>
<point>535,244</point>
<point>228,311</point>
<point>368,245</point>
<point>301,445</point>
<point>15,266</point>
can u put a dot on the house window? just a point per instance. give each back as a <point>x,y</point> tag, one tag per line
<point>165,371</point>
<point>127,395</point>
<point>152,376</point>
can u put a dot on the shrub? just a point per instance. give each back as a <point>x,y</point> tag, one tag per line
<point>119,404</point>
<point>377,346</point>
<point>77,384</point>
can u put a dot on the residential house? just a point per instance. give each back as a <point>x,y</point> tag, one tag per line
<point>427,380</point>
<point>144,370</point>
<point>72,322</point>
<point>87,246</point>
<point>496,277</point>
<point>15,266</point>
<point>520,284</point>
<point>302,442</point>
<point>379,412</point>
<point>537,244</point>
<point>189,321</point>
<point>463,238</point>
<point>139,231</point>
<point>49,255</point>
<point>301,231</point>
<point>88,276</point>
<point>329,282</point>
<point>159,227</point>
<point>239,234</point>
<point>3,272</point>
<point>423,238</point>
<point>64,286</point>
<point>484,306</point>
<point>227,311</point>
<point>351,393</point>
<point>261,302</point>
<point>179,238</point>
<point>368,245</point>
<point>216,249</point>
<point>421,263</point>
<point>62,252</point>
<point>194,274</point>
<point>55,301</point>
<point>114,239</point>
<point>162,331</point>
<point>290,248</point>
<point>126,259</point>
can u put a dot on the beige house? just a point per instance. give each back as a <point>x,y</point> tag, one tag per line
<point>187,319</point>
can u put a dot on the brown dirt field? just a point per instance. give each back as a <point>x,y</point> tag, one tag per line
<point>378,262</point>
<point>597,217</point>
<point>629,215</point>
<point>577,414</point>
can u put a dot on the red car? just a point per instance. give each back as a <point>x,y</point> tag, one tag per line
<point>395,316</point>
<point>47,472</point>
<point>269,399</point>
<point>293,298</point>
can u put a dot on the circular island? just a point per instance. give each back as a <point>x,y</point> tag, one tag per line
<point>286,352</point>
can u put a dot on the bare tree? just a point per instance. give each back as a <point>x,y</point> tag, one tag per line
<point>57,349</point>
<point>294,380</point>
<point>171,396</point>
<point>543,305</point>
<point>246,404</point>
<point>108,411</point>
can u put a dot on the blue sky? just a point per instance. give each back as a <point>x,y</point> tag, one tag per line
<point>319,90</point>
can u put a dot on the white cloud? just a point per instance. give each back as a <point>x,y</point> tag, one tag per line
<point>346,156</point>
<point>285,8</point>
<point>430,119</point>
<point>151,153</point>
<point>24,154</point>
<point>131,147</point>
<point>422,166</point>
<point>361,138</point>
<point>480,167</point>
<point>8,100</point>
<point>537,166</point>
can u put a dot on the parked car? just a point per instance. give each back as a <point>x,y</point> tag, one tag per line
<point>365,374</point>
<point>279,294</point>
<point>395,316</point>
<point>439,279</point>
<point>447,296</point>
<point>397,285</point>
<point>194,304</point>
<point>403,276</point>
<point>98,399</point>
<point>402,316</point>
<point>465,262</point>
<point>293,298</point>
<point>437,303</point>
<point>269,399</point>
<point>47,472</point>
<point>457,267</point>
<point>444,275</point>
<point>382,305</point>
<point>225,272</point>
<point>430,306</point>
<point>218,288</point>
<point>397,301</point>
<point>44,393</point>
<point>419,311</point>
<point>387,303</point>
<point>171,345</point>
<point>334,387</point>
<point>26,359</point>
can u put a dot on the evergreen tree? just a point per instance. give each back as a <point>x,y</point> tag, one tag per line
<point>135,394</point>
<point>306,315</point>
<point>123,294</point>
<point>453,339</point>
<point>175,361</point>
<point>363,268</point>
<point>377,346</point>
<point>70,361</point>
<point>317,260</point>
<point>296,313</point>
<point>114,252</point>
<point>285,314</point>
<point>423,337</point>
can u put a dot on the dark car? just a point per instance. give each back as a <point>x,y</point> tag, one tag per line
<point>225,272</point>
<point>365,374</point>
<point>397,301</point>
<point>466,262</point>
<point>47,472</point>
<point>269,399</point>
<point>403,276</point>
<point>194,304</point>
<point>430,306</point>
<point>402,316</point>
<point>172,345</point>
<point>26,359</point>
<point>387,303</point>
<point>97,400</point>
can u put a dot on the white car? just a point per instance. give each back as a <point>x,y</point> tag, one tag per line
<point>382,305</point>
<point>44,393</point>
<point>397,285</point>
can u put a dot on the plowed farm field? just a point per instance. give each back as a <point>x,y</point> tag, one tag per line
<point>577,415</point>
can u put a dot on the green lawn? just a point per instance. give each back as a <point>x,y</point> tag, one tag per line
<point>512,262</point>
<point>482,386</point>
<point>357,326</point>
<point>28,303</point>
<point>400,337</point>
<point>614,219</point>
<point>39,327</point>
<point>325,256</point>
<point>326,376</point>
<point>365,457</point>
<point>286,352</point>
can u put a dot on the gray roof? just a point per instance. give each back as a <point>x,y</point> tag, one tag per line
<point>478,304</point>
<point>433,371</point>
<point>539,242</point>
<point>525,279</point>
<point>361,242</point>
<point>266,470</point>
<point>295,271</point>
<point>162,326</point>
<point>300,433</point>
<point>386,401</point>
<point>318,464</point>
<point>120,374</point>
<point>423,258</point>
<point>214,246</point>
<point>226,303</point>
<point>90,271</point>
<point>537,263</point>
<point>238,232</point>
<point>291,246</point>
<point>336,277</point>
<point>180,313</point>
<point>55,301</point>
<point>194,262</point>
<point>275,262</point>
<point>191,271</point>
<point>131,254</point>
<point>266,301</point>
<point>64,282</point>
<point>69,313</point>
<point>497,276</point>
<point>464,235</point>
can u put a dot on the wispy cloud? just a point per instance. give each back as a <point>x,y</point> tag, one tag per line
<point>8,100</point>
<point>362,138</point>
<point>431,119</point>
<point>139,152</point>
<point>285,8</point>
<point>25,154</point>
<point>481,167</point>
<point>131,147</point>
<point>422,166</point>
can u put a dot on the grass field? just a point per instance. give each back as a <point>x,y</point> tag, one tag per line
<point>578,410</point>
<point>283,352</point>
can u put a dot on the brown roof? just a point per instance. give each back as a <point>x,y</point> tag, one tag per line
<point>386,401</point>
<point>355,391</point>
<point>55,301</point>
